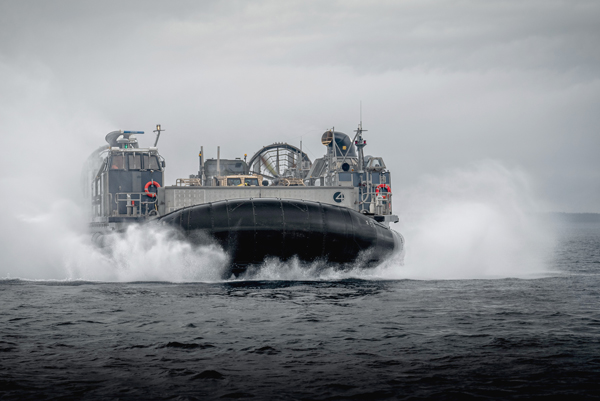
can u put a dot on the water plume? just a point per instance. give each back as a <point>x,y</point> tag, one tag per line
<point>275,269</point>
<point>148,252</point>
<point>475,222</point>
<point>55,244</point>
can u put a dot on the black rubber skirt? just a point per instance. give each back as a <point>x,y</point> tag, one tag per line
<point>251,230</point>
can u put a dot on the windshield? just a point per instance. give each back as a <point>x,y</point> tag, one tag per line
<point>234,182</point>
<point>228,167</point>
<point>135,162</point>
<point>253,182</point>
<point>151,163</point>
<point>117,162</point>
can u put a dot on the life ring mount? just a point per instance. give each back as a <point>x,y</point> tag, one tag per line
<point>387,188</point>
<point>154,184</point>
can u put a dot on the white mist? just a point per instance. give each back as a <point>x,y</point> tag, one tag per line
<point>476,222</point>
<point>469,223</point>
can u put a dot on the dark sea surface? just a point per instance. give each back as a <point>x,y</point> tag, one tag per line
<point>310,340</point>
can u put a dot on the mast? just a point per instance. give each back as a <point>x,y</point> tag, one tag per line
<point>360,144</point>
<point>218,162</point>
<point>201,162</point>
<point>331,151</point>
<point>158,131</point>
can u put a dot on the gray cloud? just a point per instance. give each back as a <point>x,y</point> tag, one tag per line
<point>443,83</point>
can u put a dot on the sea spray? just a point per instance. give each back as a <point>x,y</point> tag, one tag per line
<point>55,244</point>
<point>475,222</point>
<point>148,252</point>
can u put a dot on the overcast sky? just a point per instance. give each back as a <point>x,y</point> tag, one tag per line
<point>443,84</point>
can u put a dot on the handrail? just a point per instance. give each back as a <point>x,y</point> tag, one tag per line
<point>189,182</point>
<point>137,200</point>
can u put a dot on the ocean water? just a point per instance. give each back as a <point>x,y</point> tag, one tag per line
<point>312,338</point>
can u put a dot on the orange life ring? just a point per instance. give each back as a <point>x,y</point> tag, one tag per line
<point>387,188</point>
<point>148,185</point>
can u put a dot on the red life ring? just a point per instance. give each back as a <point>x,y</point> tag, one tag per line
<point>148,185</point>
<point>387,188</point>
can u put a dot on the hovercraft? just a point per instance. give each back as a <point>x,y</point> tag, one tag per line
<point>279,204</point>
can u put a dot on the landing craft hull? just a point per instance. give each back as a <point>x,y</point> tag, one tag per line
<point>251,230</point>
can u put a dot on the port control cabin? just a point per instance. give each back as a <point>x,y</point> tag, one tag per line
<point>126,179</point>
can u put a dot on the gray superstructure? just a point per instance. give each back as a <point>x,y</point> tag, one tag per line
<point>125,183</point>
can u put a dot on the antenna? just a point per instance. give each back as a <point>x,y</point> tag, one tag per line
<point>158,131</point>
<point>361,114</point>
<point>360,143</point>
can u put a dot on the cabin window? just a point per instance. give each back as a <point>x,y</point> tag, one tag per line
<point>117,162</point>
<point>154,163</point>
<point>135,162</point>
<point>253,182</point>
<point>151,163</point>
<point>232,182</point>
